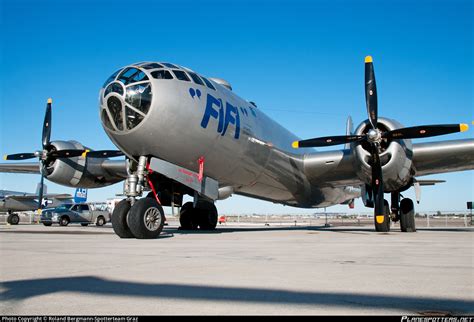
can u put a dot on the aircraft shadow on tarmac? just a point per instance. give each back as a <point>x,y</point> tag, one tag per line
<point>24,289</point>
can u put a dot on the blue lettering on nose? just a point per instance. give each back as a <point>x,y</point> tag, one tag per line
<point>215,109</point>
<point>212,112</point>
<point>231,116</point>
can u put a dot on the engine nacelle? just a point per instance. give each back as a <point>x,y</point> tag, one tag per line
<point>84,172</point>
<point>396,157</point>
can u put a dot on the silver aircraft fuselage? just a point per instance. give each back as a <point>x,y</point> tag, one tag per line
<point>182,121</point>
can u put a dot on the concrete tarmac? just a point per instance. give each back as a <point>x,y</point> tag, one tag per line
<point>236,270</point>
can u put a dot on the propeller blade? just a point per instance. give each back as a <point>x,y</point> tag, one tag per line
<point>327,141</point>
<point>425,131</point>
<point>19,156</point>
<point>71,153</point>
<point>40,193</point>
<point>103,153</point>
<point>377,187</point>
<point>46,136</point>
<point>370,92</point>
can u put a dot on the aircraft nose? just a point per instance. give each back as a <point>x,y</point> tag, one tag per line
<point>125,99</point>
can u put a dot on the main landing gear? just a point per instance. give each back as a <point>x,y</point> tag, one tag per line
<point>204,216</point>
<point>403,211</point>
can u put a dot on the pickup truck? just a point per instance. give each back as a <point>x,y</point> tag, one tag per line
<point>74,213</point>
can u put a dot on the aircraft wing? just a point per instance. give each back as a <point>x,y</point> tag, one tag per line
<point>20,167</point>
<point>336,168</point>
<point>30,196</point>
<point>443,156</point>
<point>114,167</point>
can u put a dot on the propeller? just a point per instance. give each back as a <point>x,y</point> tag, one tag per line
<point>374,137</point>
<point>48,153</point>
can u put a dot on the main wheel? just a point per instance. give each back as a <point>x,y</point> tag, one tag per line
<point>207,216</point>
<point>407,215</point>
<point>382,222</point>
<point>146,219</point>
<point>119,219</point>
<point>13,219</point>
<point>188,217</point>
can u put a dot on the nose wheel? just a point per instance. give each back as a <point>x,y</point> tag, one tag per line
<point>146,219</point>
<point>119,219</point>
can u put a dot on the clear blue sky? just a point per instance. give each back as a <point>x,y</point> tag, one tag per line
<point>301,61</point>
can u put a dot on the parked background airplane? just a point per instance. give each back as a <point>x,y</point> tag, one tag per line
<point>14,201</point>
<point>185,134</point>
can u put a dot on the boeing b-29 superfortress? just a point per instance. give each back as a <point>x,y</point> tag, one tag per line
<point>183,133</point>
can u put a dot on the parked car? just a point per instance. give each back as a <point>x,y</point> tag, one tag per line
<point>74,213</point>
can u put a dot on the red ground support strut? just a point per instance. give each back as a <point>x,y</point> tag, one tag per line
<point>201,168</point>
<point>151,184</point>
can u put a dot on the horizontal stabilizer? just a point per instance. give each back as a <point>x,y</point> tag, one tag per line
<point>429,182</point>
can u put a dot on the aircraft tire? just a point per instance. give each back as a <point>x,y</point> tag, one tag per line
<point>188,217</point>
<point>119,219</point>
<point>13,219</point>
<point>207,216</point>
<point>407,216</point>
<point>146,219</point>
<point>385,226</point>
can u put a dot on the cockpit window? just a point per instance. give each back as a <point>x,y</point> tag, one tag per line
<point>196,78</point>
<point>152,66</point>
<point>114,87</point>
<point>170,65</point>
<point>132,75</point>
<point>139,96</point>
<point>111,78</point>
<point>181,75</point>
<point>161,74</point>
<point>115,107</point>
<point>208,83</point>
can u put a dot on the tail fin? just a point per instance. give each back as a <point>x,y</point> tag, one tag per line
<point>80,196</point>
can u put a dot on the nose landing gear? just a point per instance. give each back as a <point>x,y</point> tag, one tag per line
<point>144,218</point>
